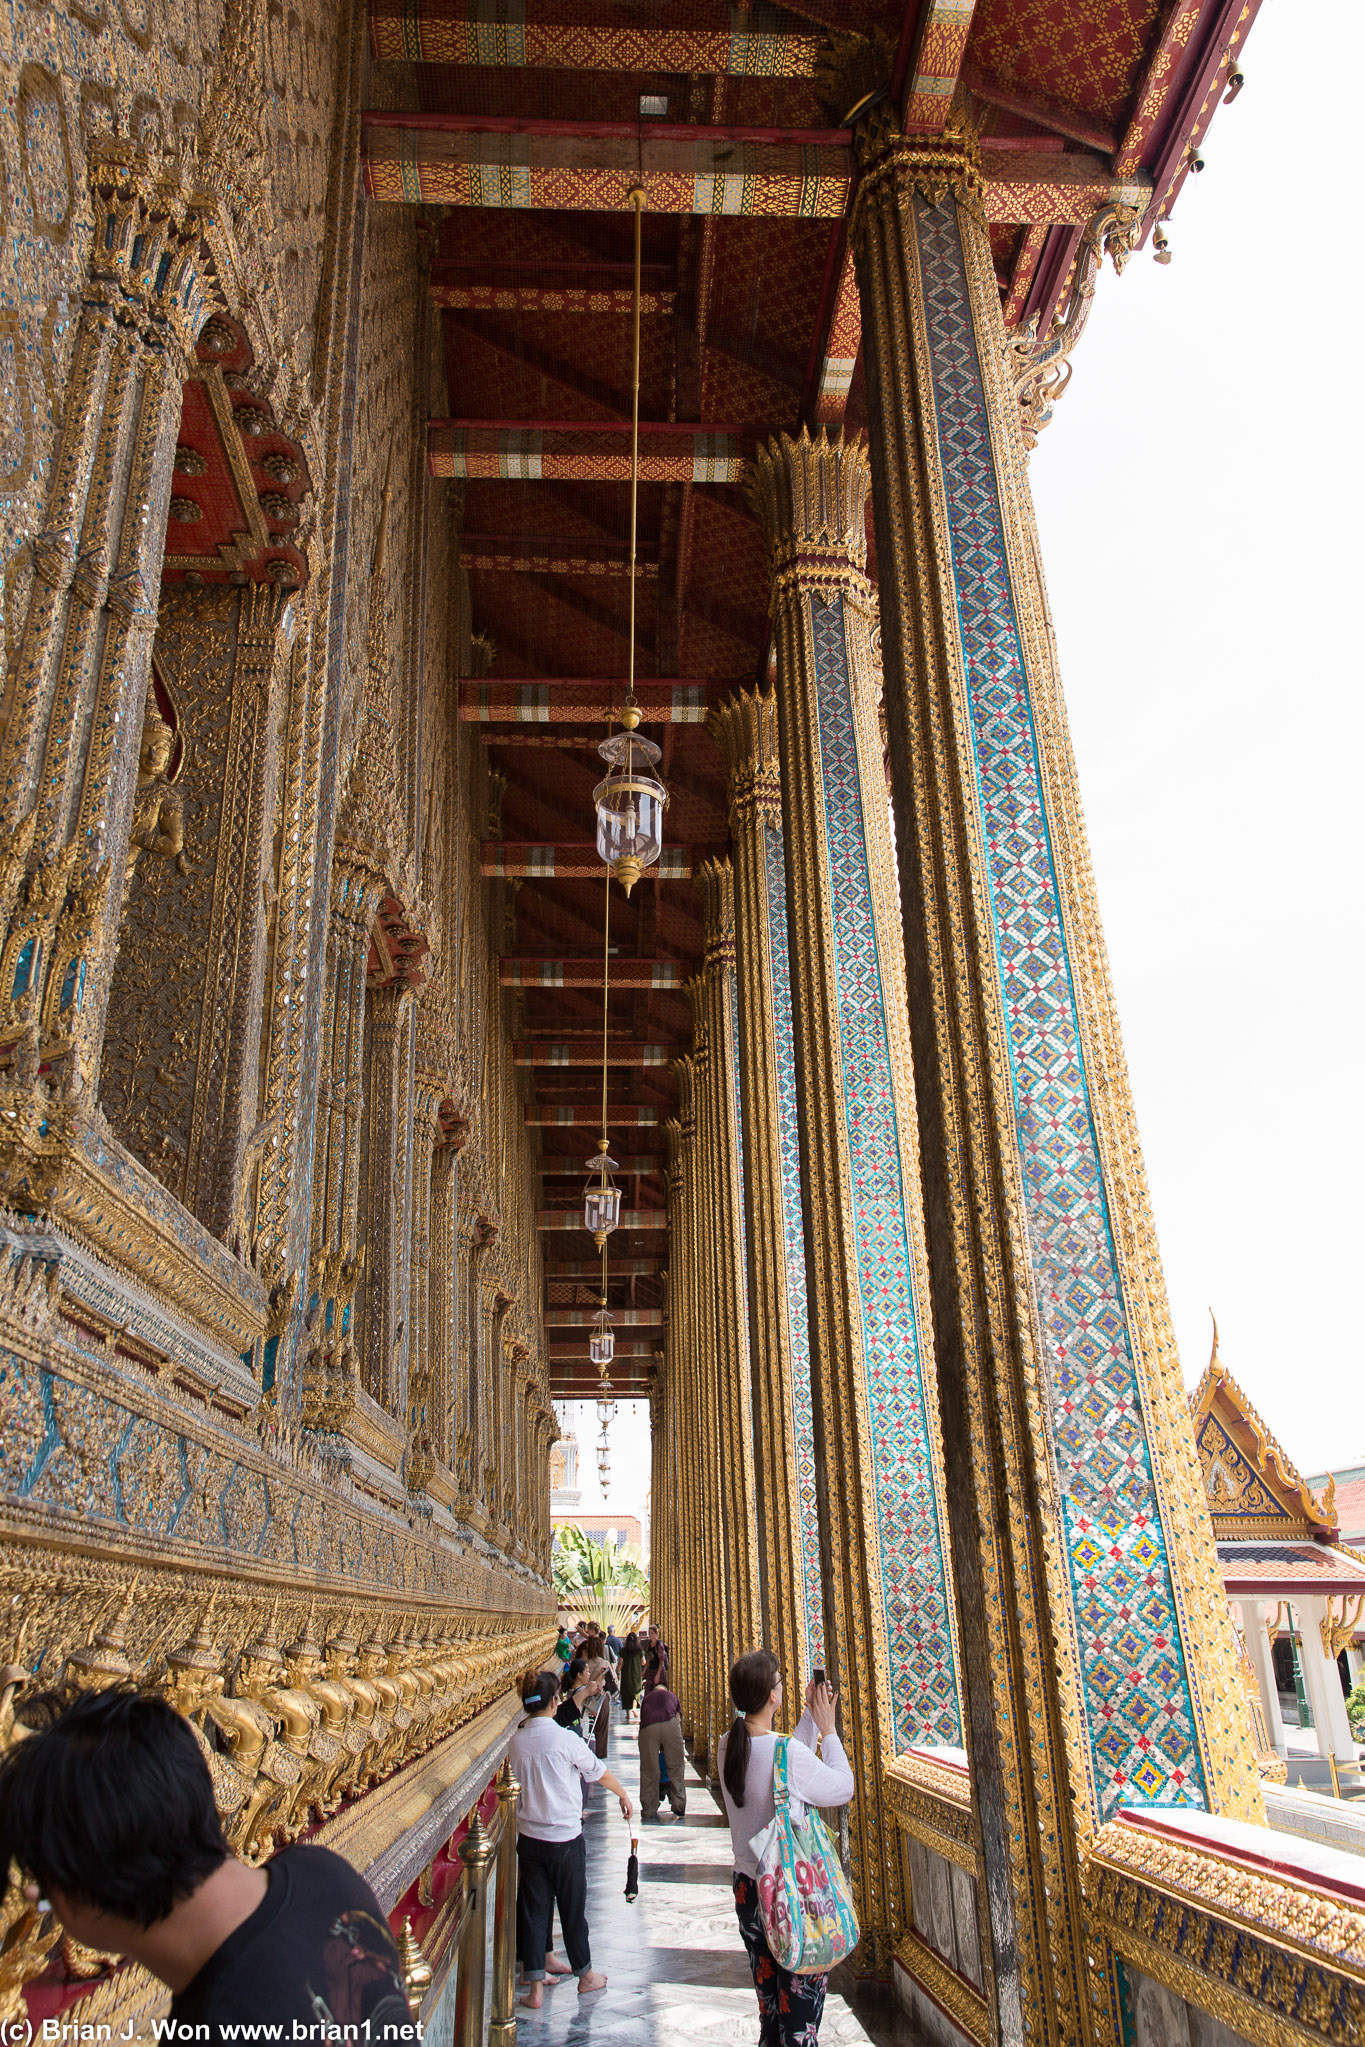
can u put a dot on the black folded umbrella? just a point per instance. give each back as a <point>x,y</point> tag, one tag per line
<point>633,1873</point>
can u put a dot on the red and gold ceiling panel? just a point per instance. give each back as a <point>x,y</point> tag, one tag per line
<point>1084,54</point>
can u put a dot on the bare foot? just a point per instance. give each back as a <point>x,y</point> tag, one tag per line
<point>593,1980</point>
<point>534,1998</point>
<point>554,1967</point>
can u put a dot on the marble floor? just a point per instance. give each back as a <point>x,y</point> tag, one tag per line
<point>677,1972</point>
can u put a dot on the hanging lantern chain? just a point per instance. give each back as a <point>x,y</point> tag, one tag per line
<point>637,200</point>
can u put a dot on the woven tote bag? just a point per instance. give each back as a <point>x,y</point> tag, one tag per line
<point>803,1896</point>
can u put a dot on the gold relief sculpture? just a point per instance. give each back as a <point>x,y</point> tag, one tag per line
<point>159,812</point>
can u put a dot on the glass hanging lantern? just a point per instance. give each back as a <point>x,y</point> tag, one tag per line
<point>601,1198</point>
<point>605,1410</point>
<point>602,1344</point>
<point>630,801</point>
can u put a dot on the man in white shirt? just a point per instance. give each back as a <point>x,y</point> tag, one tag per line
<point>552,1766</point>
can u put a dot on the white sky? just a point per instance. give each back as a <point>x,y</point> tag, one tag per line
<point>1198,495</point>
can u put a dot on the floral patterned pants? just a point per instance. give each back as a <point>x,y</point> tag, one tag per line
<point>789,2006</point>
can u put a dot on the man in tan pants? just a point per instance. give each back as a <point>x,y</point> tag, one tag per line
<point>661,1732</point>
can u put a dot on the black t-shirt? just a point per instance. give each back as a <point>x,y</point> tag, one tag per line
<point>316,1953</point>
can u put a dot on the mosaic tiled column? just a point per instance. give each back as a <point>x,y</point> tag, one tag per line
<point>1098,1663</point>
<point>720,1131</point>
<point>779,1347</point>
<point>887,1609</point>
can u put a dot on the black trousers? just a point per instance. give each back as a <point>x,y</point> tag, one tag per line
<point>551,1873</point>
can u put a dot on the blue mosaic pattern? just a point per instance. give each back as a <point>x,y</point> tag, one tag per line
<point>1137,1697</point>
<point>794,1245</point>
<point>914,1594</point>
<point>732,996</point>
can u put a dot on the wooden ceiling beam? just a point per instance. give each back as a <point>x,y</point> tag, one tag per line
<point>668,36</point>
<point>567,700</point>
<point>590,1269</point>
<point>463,160</point>
<point>587,973</point>
<point>483,160</point>
<point>1058,120</point>
<point>939,44</point>
<point>525,860</point>
<point>559,1220</point>
<point>622,1318</point>
<point>587,1051</point>
<point>588,1115</point>
<point>584,451</point>
<point>582,301</point>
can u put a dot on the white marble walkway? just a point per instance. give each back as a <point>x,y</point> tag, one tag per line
<point>677,1971</point>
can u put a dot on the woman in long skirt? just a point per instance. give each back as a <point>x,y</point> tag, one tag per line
<point>632,1675</point>
<point>789,2006</point>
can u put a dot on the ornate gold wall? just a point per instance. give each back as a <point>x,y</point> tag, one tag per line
<point>271,1368</point>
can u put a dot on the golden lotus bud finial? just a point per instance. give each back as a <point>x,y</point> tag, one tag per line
<point>415,1966</point>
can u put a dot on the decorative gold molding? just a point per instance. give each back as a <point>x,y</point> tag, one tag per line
<point>1278,1957</point>
<point>959,1999</point>
<point>933,1803</point>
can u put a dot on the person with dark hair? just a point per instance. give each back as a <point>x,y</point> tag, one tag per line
<point>632,1675</point>
<point>656,1658</point>
<point>106,1807</point>
<point>789,2006</point>
<point>661,1736</point>
<point>552,1767</point>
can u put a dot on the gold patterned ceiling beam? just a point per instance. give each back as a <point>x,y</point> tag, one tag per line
<point>936,65</point>
<point>591,166</point>
<point>525,862</point>
<point>588,1052</point>
<point>579,300</point>
<point>588,1115</point>
<point>624,1318</point>
<point>572,1219</point>
<point>587,973</point>
<point>705,36</point>
<point>569,701</point>
<point>582,451</point>
<point>587,166</point>
<point>591,1268</point>
<point>554,1166</point>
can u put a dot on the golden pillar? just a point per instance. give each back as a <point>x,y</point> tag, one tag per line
<point>888,1620</point>
<point>1097,1666</point>
<point>703,1562</point>
<point>779,1341</point>
<point>720,1133</point>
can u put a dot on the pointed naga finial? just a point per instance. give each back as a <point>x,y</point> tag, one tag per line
<point>1214,1359</point>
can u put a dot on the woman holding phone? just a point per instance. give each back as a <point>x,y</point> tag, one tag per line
<point>789,2006</point>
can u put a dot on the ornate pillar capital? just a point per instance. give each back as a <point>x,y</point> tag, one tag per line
<point>716,881</point>
<point>745,729</point>
<point>892,162</point>
<point>811,495</point>
<point>695,991</point>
